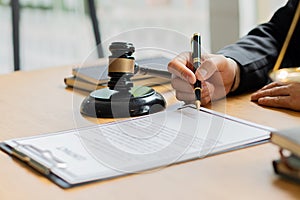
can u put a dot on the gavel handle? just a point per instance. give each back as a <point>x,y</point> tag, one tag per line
<point>153,72</point>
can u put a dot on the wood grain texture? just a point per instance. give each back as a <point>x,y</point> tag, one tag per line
<point>37,102</point>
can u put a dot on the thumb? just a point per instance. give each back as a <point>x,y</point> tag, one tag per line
<point>206,70</point>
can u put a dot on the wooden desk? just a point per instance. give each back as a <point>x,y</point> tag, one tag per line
<point>37,102</point>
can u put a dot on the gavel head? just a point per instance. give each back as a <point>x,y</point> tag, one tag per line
<point>121,66</point>
<point>121,99</point>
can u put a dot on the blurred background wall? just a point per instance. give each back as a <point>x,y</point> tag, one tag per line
<point>59,32</point>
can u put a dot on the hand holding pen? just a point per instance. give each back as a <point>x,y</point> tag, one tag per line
<point>217,71</point>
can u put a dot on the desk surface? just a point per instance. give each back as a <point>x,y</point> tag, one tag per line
<point>37,102</point>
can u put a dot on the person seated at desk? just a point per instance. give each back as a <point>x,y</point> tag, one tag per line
<point>245,65</point>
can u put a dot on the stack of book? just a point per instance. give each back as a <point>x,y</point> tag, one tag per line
<point>288,165</point>
<point>94,77</point>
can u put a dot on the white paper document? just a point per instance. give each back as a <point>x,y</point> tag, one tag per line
<point>104,151</point>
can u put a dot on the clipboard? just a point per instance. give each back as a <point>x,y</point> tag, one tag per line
<point>74,157</point>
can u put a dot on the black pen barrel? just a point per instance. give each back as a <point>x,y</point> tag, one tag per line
<point>196,49</point>
<point>196,59</point>
<point>197,88</point>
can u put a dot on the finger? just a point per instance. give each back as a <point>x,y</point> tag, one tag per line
<point>206,90</point>
<point>189,95</point>
<point>278,101</point>
<point>272,92</point>
<point>213,64</point>
<point>184,96</point>
<point>185,58</point>
<point>271,85</point>
<point>205,100</point>
<point>181,67</point>
<point>181,85</point>
<point>206,70</point>
<point>190,98</point>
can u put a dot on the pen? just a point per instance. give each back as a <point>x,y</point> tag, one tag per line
<point>196,56</point>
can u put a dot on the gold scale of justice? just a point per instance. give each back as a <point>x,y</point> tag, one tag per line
<point>287,74</point>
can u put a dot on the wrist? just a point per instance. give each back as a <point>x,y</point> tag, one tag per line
<point>236,79</point>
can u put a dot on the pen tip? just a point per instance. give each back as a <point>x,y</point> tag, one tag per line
<point>198,103</point>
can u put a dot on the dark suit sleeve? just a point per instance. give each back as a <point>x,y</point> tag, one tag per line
<point>256,53</point>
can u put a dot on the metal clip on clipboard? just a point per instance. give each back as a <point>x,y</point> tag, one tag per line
<point>46,155</point>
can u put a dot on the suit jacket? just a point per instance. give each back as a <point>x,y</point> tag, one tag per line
<point>257,52</point>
